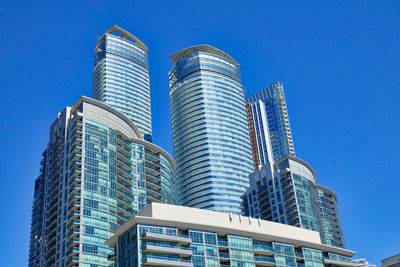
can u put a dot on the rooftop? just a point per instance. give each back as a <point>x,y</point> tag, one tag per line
<point>201,48</point>
<point>126,35</point>
<point>224,223</point>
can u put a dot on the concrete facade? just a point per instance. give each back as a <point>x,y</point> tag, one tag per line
<point>169,235</point>
<point>393,261</point>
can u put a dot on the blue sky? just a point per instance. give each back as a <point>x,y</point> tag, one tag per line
<point>339,62</point>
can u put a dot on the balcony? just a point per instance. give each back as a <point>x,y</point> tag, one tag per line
<point>289,204</point>
<point>153,184</point>
<point>75,189</point>
<point>299,255</point>
<point>155,156</point>
<point>338,262</point>
<point>76,148</point>
<point>167,237</point>
<point>170,249</point>
<point>122,193</point>
<point>153,176</point>
<point>121,215</point>
<point>293,217</point>
<point>74,223</point>
<point>289,197</point>
<point>124,186</point>
<point>75,155</point>
<point>288,191</point>
<point>75,163</point>
<point>152,191</point>
<point>74,206</point>
<point>73,251</point>
<point>74,197</point>
<point>123,164</point>
<point>223,244</point>
<point>285,185</point>
<point>224,255</point>
<point>73,260</point>
<point>74,233</point>
<point>73,242</point>
<point>123,176</point>
<point>263,249</point>
<point>151,168</point>
<point>112,257</point>
<point>74,215</point>
<point>264,261</point>
<point>166,261</point>
<point>153,198</point>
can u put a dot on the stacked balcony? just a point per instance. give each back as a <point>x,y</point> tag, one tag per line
<point>166,250</point>
<point>263,253</point>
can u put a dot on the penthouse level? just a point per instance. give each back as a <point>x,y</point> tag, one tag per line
<point>169,235</point>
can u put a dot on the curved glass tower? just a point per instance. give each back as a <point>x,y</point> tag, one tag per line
<point>97,172</point>
<point>209,129</point>
<point>121,77</point>
<point>287,193</point>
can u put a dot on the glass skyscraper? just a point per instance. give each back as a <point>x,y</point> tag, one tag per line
<point>209,129</point>
<point>121,77</point>
<point>96,173</point>
<point>269,127</point>
<point>288,194</point>
<point>283,188</point>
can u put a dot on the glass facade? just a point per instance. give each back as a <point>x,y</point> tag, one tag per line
<point>288,194</point>
<point>157,245</point>
<point>121,77</point>
<point>269,126</point>
<point>209,128</point>
<point>97,172</point>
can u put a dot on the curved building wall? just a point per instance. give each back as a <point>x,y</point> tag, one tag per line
<point>331,225</point>
<point>99,173</point>
<point>288,194</point>
<point>209,128</point>
<point>121,77</point>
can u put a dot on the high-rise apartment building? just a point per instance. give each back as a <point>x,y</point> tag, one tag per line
<point>121,77</point>
<point>283,188</point>
<point>269,127</point>
<point>209,129</point>
<point>393,261</point>
<point>96,173</point>
<point>288,194</point>
<point>167,235</point>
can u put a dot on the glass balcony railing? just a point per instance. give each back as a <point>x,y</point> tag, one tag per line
<point>264,259</point>
<point>224,255</point>
<point>223,243</point>
<point>145,257</point>
<point>164,245</point>
<point>263,248</point>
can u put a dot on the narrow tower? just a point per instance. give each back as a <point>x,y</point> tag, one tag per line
<point>268,119</point>
<point>121,77</point>
<point>209,129</point>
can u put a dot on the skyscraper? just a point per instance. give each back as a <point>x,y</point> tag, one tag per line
<point>121,77</point>
<point>288,194</point>
<point>283,188</point>
<point>209,129</point>
<point>268,119</point>
<point>96,173</point>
